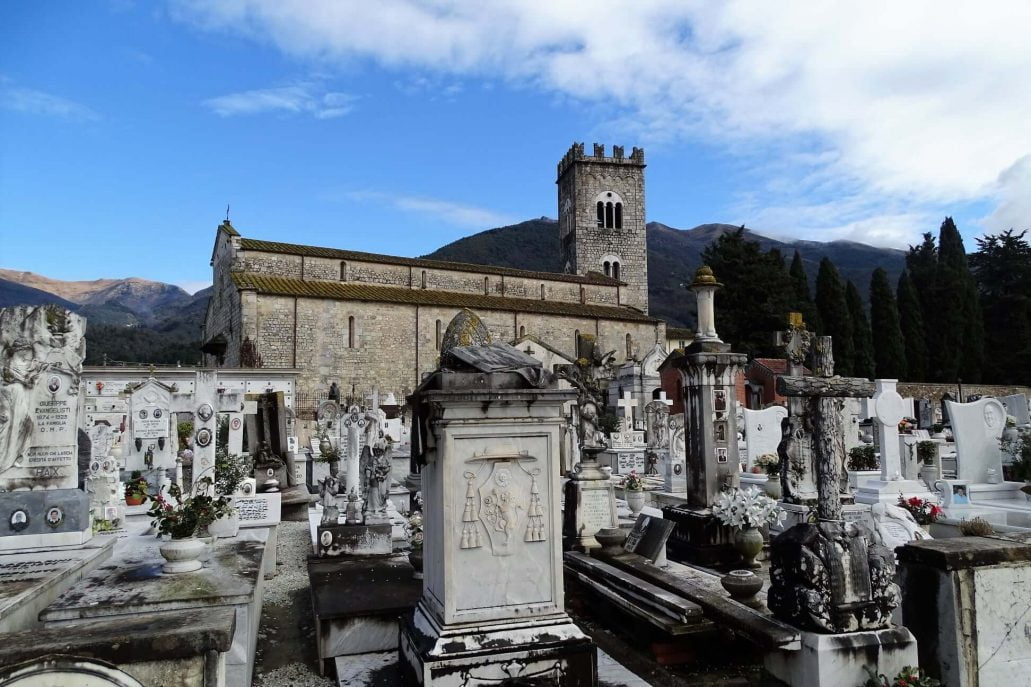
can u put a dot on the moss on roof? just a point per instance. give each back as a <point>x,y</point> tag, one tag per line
<point>338,254</point>
<point>357,291</point>
<point>679,333</point>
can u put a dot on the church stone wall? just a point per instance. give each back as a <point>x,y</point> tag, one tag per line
<point>279,264</point>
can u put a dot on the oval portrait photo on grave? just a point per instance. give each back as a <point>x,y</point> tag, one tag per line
<point>55,516</point>
<point>54,384</point>
<point>19,520</point>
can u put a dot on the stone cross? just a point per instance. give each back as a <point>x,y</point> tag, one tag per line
<point>824,393</point>
<point>627,404</point>
<point>796,474</point>
<point>888,408</point>
<point>206,403</point>
<point>663,399</point>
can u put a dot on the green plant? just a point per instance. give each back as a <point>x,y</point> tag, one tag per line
<point>937,428</point>
<point>414,528</point>
<point>926,451</point>
<point>184,430</point>
<point>181,518</point>
<point>863,458</point>
<point>230,471</point>
<point>750,507</point>
<point>1020,448</point>
<point>910,676</point>
<point>136,487</point>
<point>976,527</point>
<point>608,423</point>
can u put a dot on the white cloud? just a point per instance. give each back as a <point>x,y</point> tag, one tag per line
<point>922,103</point>
<point>451,212</point>
<point>30,101</point>
<point>1013,197</point>
<point>303,98</point>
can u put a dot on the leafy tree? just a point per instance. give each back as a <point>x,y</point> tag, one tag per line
<point>1002,269</point>
<point>834,315</point>
<point>889,348</point>
<point>911,320</point>
<point>756,293</point>
<point>803,299</point>
<point>862,340</point>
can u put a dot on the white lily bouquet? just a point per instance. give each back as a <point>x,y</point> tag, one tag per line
<point>750,507</point>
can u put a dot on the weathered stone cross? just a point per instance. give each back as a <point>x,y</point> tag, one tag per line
<point>823,393</point>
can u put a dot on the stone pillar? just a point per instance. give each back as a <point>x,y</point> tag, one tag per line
<point>704,288</point>
<point>492,606</point>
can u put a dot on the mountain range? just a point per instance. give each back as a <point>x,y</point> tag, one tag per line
<point>137,320</point>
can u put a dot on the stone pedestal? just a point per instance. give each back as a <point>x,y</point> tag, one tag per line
<point>492,607</point>
<point>590,505</point>
<point>699,538</point>
<point>836,660</point>
<point>887,491</point>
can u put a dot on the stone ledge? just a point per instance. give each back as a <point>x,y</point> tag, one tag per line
<point>959,553</point>
<point>144,637</point>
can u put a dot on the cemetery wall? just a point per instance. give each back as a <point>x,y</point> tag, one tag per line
<point>934,392</point>
<point>391,346</point>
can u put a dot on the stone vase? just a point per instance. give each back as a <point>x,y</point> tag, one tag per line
<point>772,488</point>
<point>415,558</point>
<point>742,585</point>
<point>181,555</point>
<point>635,500</point>
<point>748,541</point>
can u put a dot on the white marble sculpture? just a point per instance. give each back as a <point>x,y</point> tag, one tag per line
<point>977,427</point>
<point>894,526</point>
<point>762,431</point>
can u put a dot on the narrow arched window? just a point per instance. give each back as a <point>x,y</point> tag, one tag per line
<point>438,335</point>
<point>608,215</point>
<point>350,331</point>
<point>601,214</point>
<point>615,270</point>
<point>424,279</point>
<point>542,292</point>
<point>629,347</point>
<point>522,331</point>
<point>343,270</point>
<point>486,286</point>
<point>583,295</point>
<point>619,215</point>
<point>576,343</point>
<point>608,269</point>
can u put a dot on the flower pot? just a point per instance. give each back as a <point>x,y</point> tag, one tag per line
<point>635,500</point>
<point>134,500</point>
<point>742,585</point>
<point>415,558</point>
<point>181,555</point>
<point>226,526</point>
<point>748,541</point>
<point>772,487</point>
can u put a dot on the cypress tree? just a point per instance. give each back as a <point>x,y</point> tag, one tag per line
<point>911,320</point>
<point>833,310</point>
<point>801,296</point>
<point>959,330</point>
<point>889,349</point>
<point>862,341</point>
<point>1002,268</point>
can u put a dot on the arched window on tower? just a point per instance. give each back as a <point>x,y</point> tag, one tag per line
<point>576,344</point>
<point>542,292</point>
<point>609,219</point>
<point>350,331</point>
<point>583,295</point>
<point>629,346</point>
<point>522,331</point>
<point>424,279</point>
<point>619,215</point>
<point>343,270</point>
<point>437,339</point>
<point>601,214</point>
<point>486,286</point>
<point>608,268</point>
<point>615,270</point>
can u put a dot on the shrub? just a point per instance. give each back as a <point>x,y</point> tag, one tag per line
<point>863,458</point>
<point>976,527</point>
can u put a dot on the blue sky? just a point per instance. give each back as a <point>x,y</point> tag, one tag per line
<point>395,127</point>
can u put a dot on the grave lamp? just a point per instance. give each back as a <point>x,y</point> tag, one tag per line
<point>161,443</point>
<point>139,445</point>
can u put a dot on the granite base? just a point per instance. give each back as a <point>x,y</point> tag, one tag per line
<point>699,538</point>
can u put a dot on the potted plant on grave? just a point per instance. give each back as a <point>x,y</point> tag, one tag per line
<point>907,425</point>
<point>938,430</point>
<point>769,464</point>
<point>909,676</point>
<point>179,519</point>
<point>135,489</point>
<point>927,452</point>
<point>922,510</point>
<point>747,510</point>
<point>633,488</point>
<point>230,472</point>
<point>328,453</point>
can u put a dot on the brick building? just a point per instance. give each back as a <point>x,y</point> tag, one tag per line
<point>367,320</point>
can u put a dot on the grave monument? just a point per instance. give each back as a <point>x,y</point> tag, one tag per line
<point>488,423</point>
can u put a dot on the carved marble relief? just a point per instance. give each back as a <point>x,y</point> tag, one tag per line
<point>502,500</point>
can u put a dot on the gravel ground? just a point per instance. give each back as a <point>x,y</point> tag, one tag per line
<point>286,655</point>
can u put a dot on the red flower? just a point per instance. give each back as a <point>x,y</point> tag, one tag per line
<point>936,510</point>
<point>915,501</point>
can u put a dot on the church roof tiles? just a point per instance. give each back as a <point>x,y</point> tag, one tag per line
<point>357,291</point>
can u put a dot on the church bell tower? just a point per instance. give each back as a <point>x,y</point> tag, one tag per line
<point>601,218</point>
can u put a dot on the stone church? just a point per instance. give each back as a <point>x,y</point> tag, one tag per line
<point>367,320</point>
